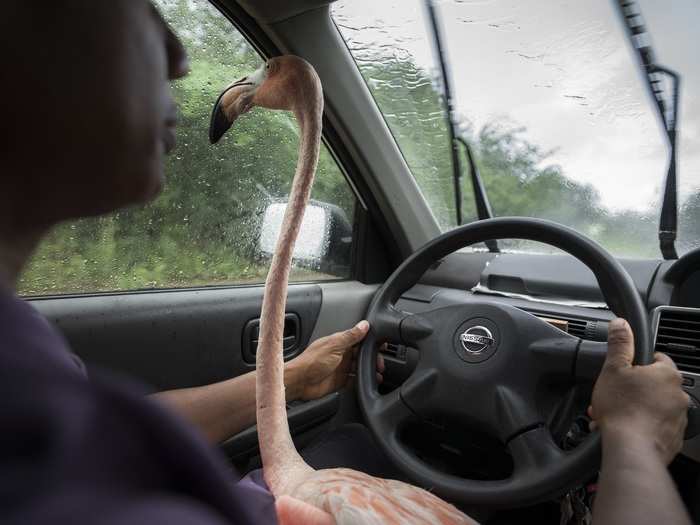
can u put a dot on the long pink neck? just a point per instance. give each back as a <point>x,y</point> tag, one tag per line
<point>283,467</point>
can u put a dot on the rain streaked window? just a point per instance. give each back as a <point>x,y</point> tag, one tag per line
<point>205,228</point>
<point>551,98</point>
<point>392,49</point>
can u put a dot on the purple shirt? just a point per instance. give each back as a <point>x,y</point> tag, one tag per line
<point>98,451</point>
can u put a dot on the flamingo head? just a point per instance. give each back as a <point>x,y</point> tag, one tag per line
<point>282,83</point>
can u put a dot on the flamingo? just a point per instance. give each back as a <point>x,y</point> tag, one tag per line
<point>302,494</point>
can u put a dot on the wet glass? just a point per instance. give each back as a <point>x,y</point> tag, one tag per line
<point>204,228</point>
<point>552,100</point>
<point>392,49</point>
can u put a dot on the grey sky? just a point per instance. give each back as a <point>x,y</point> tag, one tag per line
<point>563,69</point>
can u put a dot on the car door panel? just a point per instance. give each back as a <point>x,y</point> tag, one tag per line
<point>171,339</point>
<point>343,305</point>
<point>306,419</point>
<point>186,338</point>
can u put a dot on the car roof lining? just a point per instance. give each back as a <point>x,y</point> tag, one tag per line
<point>272,11</point>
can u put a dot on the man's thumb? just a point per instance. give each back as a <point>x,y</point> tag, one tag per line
<point>357,333</point>
<point>620,344</point>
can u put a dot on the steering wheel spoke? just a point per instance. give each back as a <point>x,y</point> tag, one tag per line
<point>415,329</point>
<point>392,410</point>
<point>533,450</point>
<point>386,324</point>
<point>514,414</point>
<point>556,355</point>
<point>589,360</point>
<point>421,390</point>
<point>567,355</point>
<point>409,329</point>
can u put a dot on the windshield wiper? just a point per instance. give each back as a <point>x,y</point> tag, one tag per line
<point>483,208</point>
<point>668,112</point>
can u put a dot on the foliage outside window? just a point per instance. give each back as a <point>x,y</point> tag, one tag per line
<point>407,94</point>
<point>203,230</point>
<point>549,95</point>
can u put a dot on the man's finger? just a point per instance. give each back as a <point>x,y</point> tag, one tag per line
<point>592,425</point>
<point>663,358</point>
<point>620,344</point>
<point>291,511</point>
<point>380,363</point>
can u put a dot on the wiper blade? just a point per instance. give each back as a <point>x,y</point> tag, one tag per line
<point>657,78</point>
<point>447,93</point>
<point>482,204</point>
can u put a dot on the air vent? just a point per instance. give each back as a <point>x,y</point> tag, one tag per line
<point>582,328</point>
<point>577,327</point>
<point>678,336</point>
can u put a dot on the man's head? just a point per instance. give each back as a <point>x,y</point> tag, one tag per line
<point>85,108</point>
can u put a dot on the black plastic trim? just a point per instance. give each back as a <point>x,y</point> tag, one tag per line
<point>174,340</point>
<point>301,417</point>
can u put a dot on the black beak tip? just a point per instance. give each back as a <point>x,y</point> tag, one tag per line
<point>219,124</point>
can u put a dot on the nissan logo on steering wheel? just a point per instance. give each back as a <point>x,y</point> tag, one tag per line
<point>476,339</point>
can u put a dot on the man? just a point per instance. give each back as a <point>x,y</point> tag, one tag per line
<point>223,409</point>
<point>86,119</point>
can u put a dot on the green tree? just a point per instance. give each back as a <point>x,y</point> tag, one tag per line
<point>203,228</point>
<point>518,179</point>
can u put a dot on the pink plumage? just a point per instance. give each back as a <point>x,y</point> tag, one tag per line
<point>350,497</point>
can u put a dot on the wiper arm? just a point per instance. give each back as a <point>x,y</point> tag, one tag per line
<point>447,93</point>
<point>668,112</point>
<point>482,204</point>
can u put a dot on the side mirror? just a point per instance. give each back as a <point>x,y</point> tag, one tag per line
<point>324,239</point>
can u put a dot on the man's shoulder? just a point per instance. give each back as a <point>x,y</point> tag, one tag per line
<point>28,341</point>
<point>99,440</point>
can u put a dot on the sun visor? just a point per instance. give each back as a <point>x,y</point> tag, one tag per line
<point>271,11</point>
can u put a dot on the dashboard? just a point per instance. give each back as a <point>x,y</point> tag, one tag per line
<point>561,290</point>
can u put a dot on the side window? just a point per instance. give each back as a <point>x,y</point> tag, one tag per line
<point>217,219</point>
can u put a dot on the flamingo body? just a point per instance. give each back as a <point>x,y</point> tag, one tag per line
<point>354,498</point>
<point>349,497</point>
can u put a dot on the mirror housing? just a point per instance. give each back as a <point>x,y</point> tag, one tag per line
<point>324,241</point>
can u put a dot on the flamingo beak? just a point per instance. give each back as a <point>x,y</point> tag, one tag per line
<point>230,99</point>
<point>219,123</point>
<point>232,103</point>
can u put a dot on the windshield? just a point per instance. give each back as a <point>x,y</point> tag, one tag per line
<point>551,98</point>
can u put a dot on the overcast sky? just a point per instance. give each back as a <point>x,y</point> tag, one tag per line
<point>563,69</point>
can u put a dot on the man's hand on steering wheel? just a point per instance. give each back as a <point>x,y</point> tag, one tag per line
<point>639,402</point>
<point>328,363</point>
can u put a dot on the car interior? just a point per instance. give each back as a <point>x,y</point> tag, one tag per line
<point>423,288</point>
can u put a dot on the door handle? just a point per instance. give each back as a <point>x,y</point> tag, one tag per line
<point>291,337</point>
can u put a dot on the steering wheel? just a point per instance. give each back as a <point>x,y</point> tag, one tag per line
<point>482,364</point>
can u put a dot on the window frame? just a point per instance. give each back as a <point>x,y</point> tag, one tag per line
<point>365,218</point>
